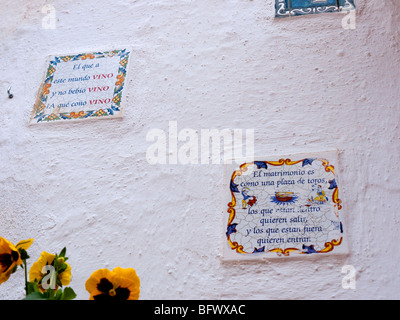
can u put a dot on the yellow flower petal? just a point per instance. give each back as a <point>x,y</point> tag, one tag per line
<point>65,276</point>
<point>127,278</point>
<point>128,273</point>
<point>9,259</point>
<point>94,280</point>
<point>35,271</point>
<point>6,246</point>
<point>24,244</point>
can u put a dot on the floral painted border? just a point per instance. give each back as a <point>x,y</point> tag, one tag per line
<point>231,225</point>
<point>283,8</point>
<point>39,114</point>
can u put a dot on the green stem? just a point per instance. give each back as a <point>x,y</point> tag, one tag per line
<point>26,278</point>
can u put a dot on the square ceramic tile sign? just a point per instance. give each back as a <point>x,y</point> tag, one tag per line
<point>283,207</point>
<point>82,86</point>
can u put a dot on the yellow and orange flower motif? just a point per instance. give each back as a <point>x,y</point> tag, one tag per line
<point>41,107</point>
<point>118,284</point>
<point>124,62</point>
<point>50,71</point>
<point>38,270</point>
<point>100,112</point>
<point>52,116</point>
<point>116,99</point>
<point>10,257</point>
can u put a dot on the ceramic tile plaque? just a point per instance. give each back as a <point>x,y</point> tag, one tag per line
<point>82,86</point>
<point>287,8</point>
<point>283,207</point>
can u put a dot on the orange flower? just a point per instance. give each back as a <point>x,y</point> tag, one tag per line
<point>119,284</point>
<point>10,257</point>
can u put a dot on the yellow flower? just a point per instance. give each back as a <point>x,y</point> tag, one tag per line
<point>52,116</point>
<point>38,270</point>
<point>10,257</point>
<point>119,284</point>
<point>100,112</point>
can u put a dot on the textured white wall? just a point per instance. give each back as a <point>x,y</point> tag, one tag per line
<point>303,84</point>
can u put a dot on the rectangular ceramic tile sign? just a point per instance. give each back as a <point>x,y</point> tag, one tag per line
<point>287,8</point>
<point>283,206</point>
<point>82,86</point>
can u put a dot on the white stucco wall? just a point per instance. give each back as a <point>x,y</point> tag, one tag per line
<point>303,84</point>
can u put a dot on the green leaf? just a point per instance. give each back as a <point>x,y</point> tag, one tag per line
<point>32,287</point>
<point>63,252</point>
<point>59,295</point>
<point>62,267</point>
<point>68,294</point>
<point>35,296</point>
<point>48,294</point>
<point>23,253</point>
